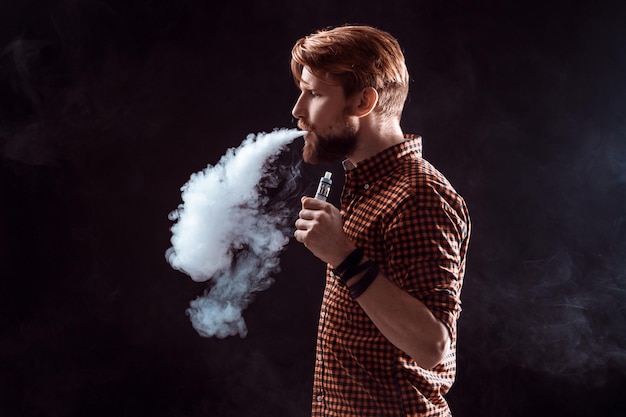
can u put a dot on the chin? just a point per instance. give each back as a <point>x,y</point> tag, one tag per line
<point>318,150</point>
<point>309,153</point>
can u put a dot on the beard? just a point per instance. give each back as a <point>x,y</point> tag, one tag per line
<point>327,147</point>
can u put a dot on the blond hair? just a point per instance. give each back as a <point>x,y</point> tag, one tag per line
<point>356,57</point>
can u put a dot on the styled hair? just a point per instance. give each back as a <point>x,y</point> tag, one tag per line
<point>356,57</point>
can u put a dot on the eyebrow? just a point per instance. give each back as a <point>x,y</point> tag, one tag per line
<point>305,85</point>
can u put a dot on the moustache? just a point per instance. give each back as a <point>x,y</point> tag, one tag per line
<point>304,126</point>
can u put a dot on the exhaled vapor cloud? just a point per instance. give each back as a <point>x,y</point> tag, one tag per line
<point>228,233</point>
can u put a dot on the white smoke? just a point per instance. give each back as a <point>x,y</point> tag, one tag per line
<point>225,234</point>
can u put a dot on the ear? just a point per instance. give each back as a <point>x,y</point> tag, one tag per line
<point>367,100</point>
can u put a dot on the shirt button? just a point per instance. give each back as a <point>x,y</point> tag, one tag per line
<point>319,358</point>
<point>320,398</point>
<point>322,314</point>
<point>366,186</point>
<point>332,274</point>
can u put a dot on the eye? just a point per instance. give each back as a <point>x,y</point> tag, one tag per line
<point>313,93</point>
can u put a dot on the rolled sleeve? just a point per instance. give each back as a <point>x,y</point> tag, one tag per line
<point>424,252</point>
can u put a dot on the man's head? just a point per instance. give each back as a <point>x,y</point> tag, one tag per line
<point>356,57</point>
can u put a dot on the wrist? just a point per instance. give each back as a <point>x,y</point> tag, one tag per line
<point>358,284</point>
<point>352,280</point>
<point>342,256</point>
<point>349,262</point>
<point>356,272</point>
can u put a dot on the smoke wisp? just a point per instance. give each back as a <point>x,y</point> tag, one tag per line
<point>230,232</point>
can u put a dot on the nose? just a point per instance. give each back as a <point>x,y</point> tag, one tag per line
<point>298,108</point>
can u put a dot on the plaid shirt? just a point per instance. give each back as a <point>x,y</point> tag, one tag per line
<point>406,217</point>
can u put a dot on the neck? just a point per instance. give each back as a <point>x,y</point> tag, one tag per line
<point>373,138</point>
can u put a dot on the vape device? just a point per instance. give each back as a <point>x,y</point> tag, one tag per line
<point>323,189</point>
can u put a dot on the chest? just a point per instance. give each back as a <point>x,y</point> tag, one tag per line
<point>368,210</point>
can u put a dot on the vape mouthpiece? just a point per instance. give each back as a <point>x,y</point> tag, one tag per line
<point>323,189</point>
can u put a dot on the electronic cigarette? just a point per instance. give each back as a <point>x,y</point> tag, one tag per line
<point>323,188</point>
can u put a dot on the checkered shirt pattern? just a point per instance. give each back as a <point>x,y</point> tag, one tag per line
<point>406,217</point>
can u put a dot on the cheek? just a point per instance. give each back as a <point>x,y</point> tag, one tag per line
<point>322,115</point>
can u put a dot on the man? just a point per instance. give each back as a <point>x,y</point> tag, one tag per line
<point>395,252</point>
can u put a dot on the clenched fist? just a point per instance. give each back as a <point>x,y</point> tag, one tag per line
<point>320,228</point>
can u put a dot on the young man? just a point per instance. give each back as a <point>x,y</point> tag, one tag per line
<point>395,252</point>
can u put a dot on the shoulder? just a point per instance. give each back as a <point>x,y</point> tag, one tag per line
<point>421,185</point>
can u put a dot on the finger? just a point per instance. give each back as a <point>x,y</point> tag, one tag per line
<point>306,214</point>
<point>301,224</point>
<point>299,235</point>
<point>313,203</point>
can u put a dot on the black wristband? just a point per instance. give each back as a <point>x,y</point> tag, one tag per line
<point>363,284</point>
<point>351,272</point>
<point>351,261</point>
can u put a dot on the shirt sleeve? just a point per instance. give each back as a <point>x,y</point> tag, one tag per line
<point>423,245</point>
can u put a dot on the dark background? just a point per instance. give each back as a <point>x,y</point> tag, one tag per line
<point>107,107</point>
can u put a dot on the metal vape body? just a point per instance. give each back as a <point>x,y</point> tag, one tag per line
<point>323,188</point>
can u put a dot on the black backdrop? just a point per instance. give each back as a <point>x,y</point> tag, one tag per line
<point>108,106</point>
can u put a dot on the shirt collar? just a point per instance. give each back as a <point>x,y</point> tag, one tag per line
<point>385,161</point>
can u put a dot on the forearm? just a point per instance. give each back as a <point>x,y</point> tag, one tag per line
<point>405,321</point>
<point>401,318</point>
